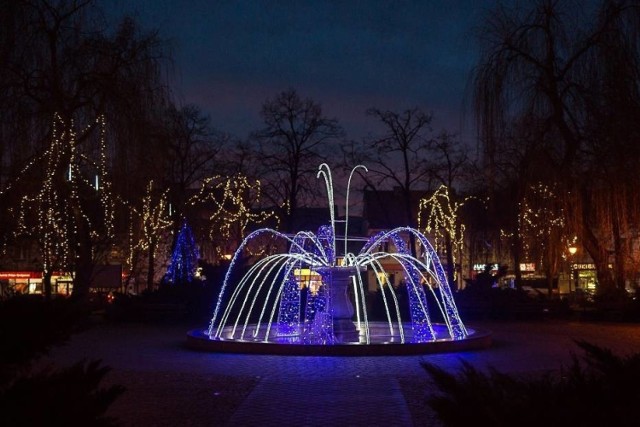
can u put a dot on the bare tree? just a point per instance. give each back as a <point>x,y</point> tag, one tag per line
<point>297,137</point>
<point>449,162</point>
<point>398,156</point>
<point>240,159</point>
<point>193,149</point>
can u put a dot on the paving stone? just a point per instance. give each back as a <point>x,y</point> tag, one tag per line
<point>332,401</point>
<point>170,385</point>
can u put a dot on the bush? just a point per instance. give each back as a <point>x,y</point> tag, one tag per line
<point>67,397</point>
<point>500,304</point>
<point>170,302</point>
<point>600,390</point>
<point>612,304</point>
<point>29,327</point>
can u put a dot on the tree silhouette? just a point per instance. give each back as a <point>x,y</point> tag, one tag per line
<point>297,137</point>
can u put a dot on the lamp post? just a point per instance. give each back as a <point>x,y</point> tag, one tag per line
<point>572,252</point>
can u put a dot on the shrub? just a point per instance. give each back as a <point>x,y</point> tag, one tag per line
<point>67,397</point>
<point>600,389</point>
<point>29,327</point>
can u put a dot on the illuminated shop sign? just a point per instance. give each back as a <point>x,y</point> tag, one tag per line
<point>480,267</point>
<point>586,266</point>
<point>20,275</point>
<point>527,266</point>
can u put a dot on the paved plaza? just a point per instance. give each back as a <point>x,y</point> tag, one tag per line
<point>170,385</point>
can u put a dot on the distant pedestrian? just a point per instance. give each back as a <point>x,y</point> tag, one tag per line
<point>484,280</point>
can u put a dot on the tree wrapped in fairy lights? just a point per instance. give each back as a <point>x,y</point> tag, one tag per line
<point>542,227</point>
<point>438,215</point>
<point>149,225</point>
<point>232,203</point>
<point>184,259</point>
<point>70,211</point>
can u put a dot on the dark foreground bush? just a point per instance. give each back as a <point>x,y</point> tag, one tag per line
<point>599,389</point>
<point>29,328</point>
<point>66,397</point>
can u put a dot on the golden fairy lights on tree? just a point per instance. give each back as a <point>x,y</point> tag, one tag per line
<point>232,201</point>
<point>438,215</point>
<point>542,228</point>
<point>70,211</point>
<point>148,230</point>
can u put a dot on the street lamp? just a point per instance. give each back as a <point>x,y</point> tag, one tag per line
<point>572,252</point>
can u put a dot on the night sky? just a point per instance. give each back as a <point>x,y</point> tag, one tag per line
<point>230,56</point>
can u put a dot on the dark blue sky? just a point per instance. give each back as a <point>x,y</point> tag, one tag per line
<point>347,55</point>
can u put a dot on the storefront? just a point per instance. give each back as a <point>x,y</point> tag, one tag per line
<point>30,282</point>
<point>506,278</point>
<point>584,277</point>
<point>22,282</point>
<point>479,268</point>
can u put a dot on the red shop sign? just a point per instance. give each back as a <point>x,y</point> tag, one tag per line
<point>20,275</point>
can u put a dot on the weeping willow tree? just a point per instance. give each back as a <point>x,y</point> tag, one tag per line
<point>63,58</point>
<point>572,70</point>
<point>69,211</point>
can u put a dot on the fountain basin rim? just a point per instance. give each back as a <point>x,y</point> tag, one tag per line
<point>198,339</point>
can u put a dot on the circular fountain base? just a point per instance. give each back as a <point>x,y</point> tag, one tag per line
<point>380,344</point>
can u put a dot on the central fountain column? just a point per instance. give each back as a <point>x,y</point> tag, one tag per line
<point>338,281</point>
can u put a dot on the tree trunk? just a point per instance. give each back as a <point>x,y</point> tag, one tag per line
<point>549,284</point>
<point>410,220</point>
<point>618,249</point>
<point>46,285</point>
<point>151,268</point>
<point>84,265</point>
<point>515,250</point>
<point>594,248</point>
<point>600,258</point>
<point>450,264</point>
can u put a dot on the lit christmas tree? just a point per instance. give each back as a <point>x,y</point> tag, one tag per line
<point>184,259</point>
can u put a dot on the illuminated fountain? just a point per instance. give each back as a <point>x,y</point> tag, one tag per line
<point>272,309</point>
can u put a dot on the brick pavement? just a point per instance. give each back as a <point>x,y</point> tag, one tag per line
<point>170,385</point>
<point>366,401</point>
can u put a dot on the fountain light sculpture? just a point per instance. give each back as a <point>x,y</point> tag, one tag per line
<point>269,306</point>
